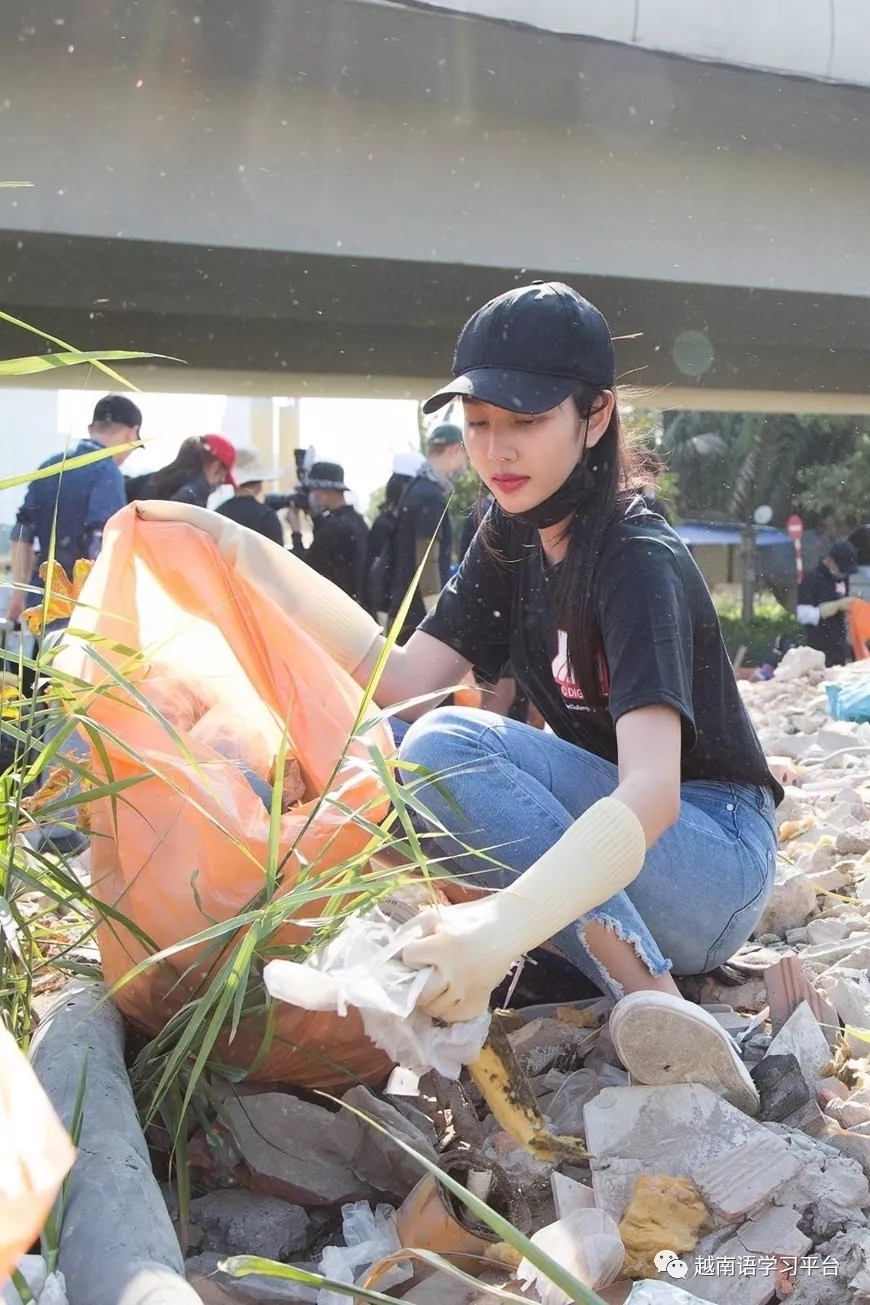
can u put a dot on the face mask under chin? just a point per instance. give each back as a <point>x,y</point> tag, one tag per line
<point>573,494</point>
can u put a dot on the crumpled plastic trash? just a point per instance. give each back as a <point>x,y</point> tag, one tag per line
<point>45,1288</point>
<point>369,1236</point>
<point>362,967</point>
<point>586,1242</point>
<point>653,1292</point>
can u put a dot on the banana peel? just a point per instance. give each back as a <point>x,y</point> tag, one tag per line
<point>501,1082</point>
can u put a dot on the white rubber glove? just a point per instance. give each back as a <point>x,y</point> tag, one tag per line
<point>324,611</point>
<point>472,945</point>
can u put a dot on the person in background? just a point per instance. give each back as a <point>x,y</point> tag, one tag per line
<point>202,464</point>
<point>422,516</point>
<point>70,510</point>
<point>823,601</point>
<point>338,549</point>
<point>66,514</point>
<point>246,506</point>
<point>379,556</point>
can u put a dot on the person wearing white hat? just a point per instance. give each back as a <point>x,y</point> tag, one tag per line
<point>246,506</point>
<point>379,559</point>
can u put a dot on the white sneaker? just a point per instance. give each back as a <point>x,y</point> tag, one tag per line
<point>663,1039</point>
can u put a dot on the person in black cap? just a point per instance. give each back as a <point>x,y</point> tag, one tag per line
<point>823,601</point>
<point>74,507</point>
<point>338,549</point>
<point>422,516</point>
<point>638,833</point>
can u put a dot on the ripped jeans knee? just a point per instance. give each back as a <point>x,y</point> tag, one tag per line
<point>624,926</point>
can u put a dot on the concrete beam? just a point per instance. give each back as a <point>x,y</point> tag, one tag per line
<point>250,384</point>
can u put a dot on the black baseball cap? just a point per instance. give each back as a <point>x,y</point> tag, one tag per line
<point>119,410</point>
<point>845,555</point>
<point>529,350</point>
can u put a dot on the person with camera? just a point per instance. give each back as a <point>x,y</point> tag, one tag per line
<point>338,549</point>
<point>246,506</point>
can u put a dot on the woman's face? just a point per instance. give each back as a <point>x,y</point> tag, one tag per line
<point>215,473</point>
<point>524,458</point>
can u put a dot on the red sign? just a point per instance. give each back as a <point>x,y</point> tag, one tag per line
<point>795,527</point>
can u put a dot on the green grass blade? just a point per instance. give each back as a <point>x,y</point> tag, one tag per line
<point>45,362</point>
<point>62,344</point>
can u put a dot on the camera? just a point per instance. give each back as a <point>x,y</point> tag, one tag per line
<point>299,497</point>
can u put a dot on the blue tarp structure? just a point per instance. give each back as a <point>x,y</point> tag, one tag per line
<point>697,534</point>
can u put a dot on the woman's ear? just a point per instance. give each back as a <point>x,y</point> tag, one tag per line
<point>599,417</point>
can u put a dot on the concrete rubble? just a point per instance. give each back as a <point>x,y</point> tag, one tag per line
<point>757,1209</point>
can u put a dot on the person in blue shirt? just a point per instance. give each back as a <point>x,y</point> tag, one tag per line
<point>73,506</point>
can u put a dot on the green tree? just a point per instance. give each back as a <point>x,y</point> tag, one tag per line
<point>728,464</point>
<point>838,494</point>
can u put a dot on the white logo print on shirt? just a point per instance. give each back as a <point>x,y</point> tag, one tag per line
<point>566,684</point>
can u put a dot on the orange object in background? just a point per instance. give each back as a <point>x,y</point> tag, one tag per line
<point>185,847</point>
<point>859,629</point>
<point>35,1155</point>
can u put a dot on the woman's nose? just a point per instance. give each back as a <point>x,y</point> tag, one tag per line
<point>500,449</point>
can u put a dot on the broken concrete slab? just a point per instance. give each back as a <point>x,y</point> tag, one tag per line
<point>679,1130</point>
<point>802,1037</point>
<point>774,1232</point>
<point>377,1160</point>
<point>295,1149</point>
<point>244,1223</point>
<point>740,1181</point>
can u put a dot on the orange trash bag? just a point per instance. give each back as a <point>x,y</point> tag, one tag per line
<point>186,846</point>
<point>859,628</point>
<point>35,1155</point>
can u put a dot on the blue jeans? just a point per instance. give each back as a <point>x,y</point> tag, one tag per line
<point>511,791</point>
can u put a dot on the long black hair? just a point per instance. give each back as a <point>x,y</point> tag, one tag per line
<point>613,466</point>
<point>191,460</point>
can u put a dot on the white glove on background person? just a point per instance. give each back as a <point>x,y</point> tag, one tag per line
<point>338,624</point>
<point>472,945</point>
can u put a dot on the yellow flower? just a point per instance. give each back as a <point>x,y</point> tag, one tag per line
<point>61,595</point>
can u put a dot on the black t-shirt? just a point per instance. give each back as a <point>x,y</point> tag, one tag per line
<point>659,642</point>
<point>250,512</point>
<point>830,636</point>
<point>338,549</point>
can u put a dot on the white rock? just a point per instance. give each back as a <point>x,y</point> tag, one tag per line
<point>803,1038</point>
<point>791,903</point>
<point>827,929</point>
<point>798,662</point>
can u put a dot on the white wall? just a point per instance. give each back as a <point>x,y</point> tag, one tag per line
<point>807,38</point>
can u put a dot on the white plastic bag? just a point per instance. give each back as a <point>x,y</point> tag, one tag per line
<point>370,1236</point>
<point>362,967</point>
<point>586,1243</point>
